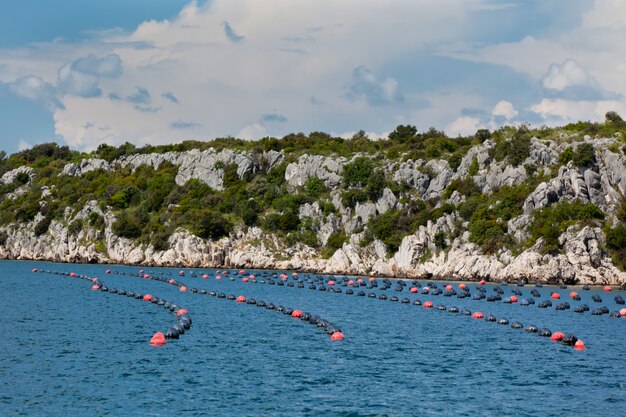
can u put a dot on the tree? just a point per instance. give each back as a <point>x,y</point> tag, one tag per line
<point>402,133</point>
<point>376,184</point>
<point>357,172</point>
<point>584,155</point>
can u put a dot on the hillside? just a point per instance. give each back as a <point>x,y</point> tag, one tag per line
<point>544,204</point>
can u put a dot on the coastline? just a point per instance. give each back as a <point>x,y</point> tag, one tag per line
<point>427,277</point>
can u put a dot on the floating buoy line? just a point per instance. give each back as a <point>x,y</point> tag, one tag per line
<point>357,287</point>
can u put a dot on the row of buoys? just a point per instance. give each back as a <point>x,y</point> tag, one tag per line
<point>328,327</point>
<point>454,309</point>
<point>432,289</point>
<point>159,338</point>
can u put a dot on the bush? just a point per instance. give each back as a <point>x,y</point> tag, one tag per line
<point>552,221</point>
<point>335,241</point>
<point>357,172</point>
<point>314,188</point>
<point>376,185</point>
<point>75,227</point>
<point>566,156</point>
<point>124,226</point>
<point>473,168</point>
<point>42,226</point>
<point>466,187</point>
<point>585,155</point>
<point>351,197</point>
<point>440,240</point>
<point>616,243</point>
<point>210,225</point>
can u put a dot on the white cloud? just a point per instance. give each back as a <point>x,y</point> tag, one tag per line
<point>568,74</point>
<point>36,89</point>
<point>253,131</point>
<point>504,109</point>
<point>463,126</point>
<point>322,65</point>
<point>563,111</point>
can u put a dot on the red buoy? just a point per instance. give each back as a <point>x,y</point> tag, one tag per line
<point>158,339</point>
<point>482,282</point>
<point>242,271</point>
<point>573,294</point>
<point>462,286</point>
<point>205,276</point>
<point>217,277</point>
<point>372,279</point>
<point>556,295</point>
<point>72,274</point>
<point>147,297</point>
<point>608,288</point>
<point>413,290</point>
<point>146,276</point>
<point>428,304</point>
<point>181,312</point>
<point>108,271</point>
<point>294,274</point>
<point>478,315</point>
<point>244,280</point>
<point>580,345</point>
<point>331,283</point>
<point>622,312</point>
<point>513,299</point>
<point>296,313</point>
<point>181,273</point>
<point>183,288</point>
<point>350,282</point>
<point>171,281</point>
<point>449,287</point>
<point>360,281</point>
<point>557,336</point>
<point>241,299</point>
<point>337,336</point>
<point>34,269</point>
<point>95,287</point>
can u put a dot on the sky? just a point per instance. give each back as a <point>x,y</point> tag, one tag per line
<point>162,71</point>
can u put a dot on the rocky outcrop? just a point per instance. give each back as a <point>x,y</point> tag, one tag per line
<point>441,247</point>
<point>207,166</point>
<point>308,166</point>
<point>85,166</point>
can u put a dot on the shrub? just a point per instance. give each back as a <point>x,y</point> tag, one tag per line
<point>474,167</point>
<point>440,240</point>
<point>566,156</point>
<point>335,241</point>
<point>42,226</point>
<point>357,172</point>
<point>75,227</point>
<point>376,184</point>
<point>351,197</point>
<point>552,221</point>
<point>124,226</point>
<point>616,243</point>
<point>315,188</point>
<point>466,187</point>
<point>584,155</point>
<point>210,225</point>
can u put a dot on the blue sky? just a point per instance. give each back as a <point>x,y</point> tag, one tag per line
<point>147,71</point>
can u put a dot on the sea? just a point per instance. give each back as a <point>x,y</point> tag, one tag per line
<point>68,350</point>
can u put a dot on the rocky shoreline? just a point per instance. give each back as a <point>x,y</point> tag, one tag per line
<point>583,258</point>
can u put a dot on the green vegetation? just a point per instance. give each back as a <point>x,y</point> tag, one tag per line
<point>549,223</point>
<point>150,206</point>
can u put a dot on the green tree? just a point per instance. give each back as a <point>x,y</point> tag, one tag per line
<point>357,172</point>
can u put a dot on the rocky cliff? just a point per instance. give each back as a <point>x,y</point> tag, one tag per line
<point>442,246</point>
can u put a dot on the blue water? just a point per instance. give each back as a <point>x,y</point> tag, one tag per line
<point>68,351</point>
